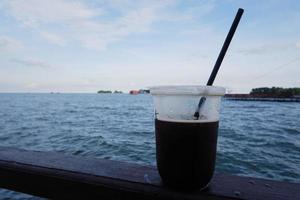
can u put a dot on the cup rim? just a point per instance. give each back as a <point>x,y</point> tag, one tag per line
<point>202,90</point>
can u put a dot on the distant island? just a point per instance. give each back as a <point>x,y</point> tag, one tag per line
<point>268,94</point>
<point>276,92</point>
<point>104,92</point>
<point>118,92</point>
<point>140,91</point>
<point>109,92</point>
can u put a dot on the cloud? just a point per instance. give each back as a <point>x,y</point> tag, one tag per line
<point>94,25</point>
<point>53,38</point>
<point>298,44</point>
<point>36,12</point>
<point>9,44</point>
<point>267,48</point>
<point>199,10</point>
<point>97,25</point>
<point>30,62</point>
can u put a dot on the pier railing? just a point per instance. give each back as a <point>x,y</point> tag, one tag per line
<point>59,176</point>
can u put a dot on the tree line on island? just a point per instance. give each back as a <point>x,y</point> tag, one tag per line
<point>272,92</point>
<point>109,92</point>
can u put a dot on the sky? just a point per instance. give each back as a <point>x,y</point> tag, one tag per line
<point>91,45</point>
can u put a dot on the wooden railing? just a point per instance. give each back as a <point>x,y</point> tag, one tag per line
<point>59,176</point>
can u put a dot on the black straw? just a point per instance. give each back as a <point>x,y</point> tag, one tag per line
<point>221,56</point>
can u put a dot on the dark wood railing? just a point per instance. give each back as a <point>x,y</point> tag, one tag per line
<point>58,176</point>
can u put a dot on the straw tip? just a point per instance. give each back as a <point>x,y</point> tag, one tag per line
<point>196,115</point>
<point>241,10</point>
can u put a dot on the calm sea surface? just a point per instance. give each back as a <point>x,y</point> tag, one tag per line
<point>260,139</point>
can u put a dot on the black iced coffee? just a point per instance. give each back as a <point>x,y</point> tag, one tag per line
<point>186,146</point>
<point>186,152</point>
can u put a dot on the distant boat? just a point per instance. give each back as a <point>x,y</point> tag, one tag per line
<point>134,92</point>
<point>141,91</point>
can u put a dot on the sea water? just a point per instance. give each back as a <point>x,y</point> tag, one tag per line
<point>258,139</point>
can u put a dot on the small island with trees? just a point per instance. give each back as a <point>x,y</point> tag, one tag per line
<point>268,94</point>
<point>109,92</point>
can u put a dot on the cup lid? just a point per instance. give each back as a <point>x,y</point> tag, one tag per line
<point>188,90</point>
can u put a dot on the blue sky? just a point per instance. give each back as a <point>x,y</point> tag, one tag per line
<point>85,46</point>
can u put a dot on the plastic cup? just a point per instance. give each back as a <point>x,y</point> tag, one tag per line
<point>185,147</point>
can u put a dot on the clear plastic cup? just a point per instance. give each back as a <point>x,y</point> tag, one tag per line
<point>185,146</point>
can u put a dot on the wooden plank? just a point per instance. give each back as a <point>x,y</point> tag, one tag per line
<point>54,175</point>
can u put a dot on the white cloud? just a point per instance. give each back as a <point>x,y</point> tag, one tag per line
<point>9,44</point>
<point>31,62</point>
<point>96,28</point>
<point>267,48</point>
<point>53,38</point>
<point>199,10</point>
<point>36,12</point>
<point>298,44</point>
